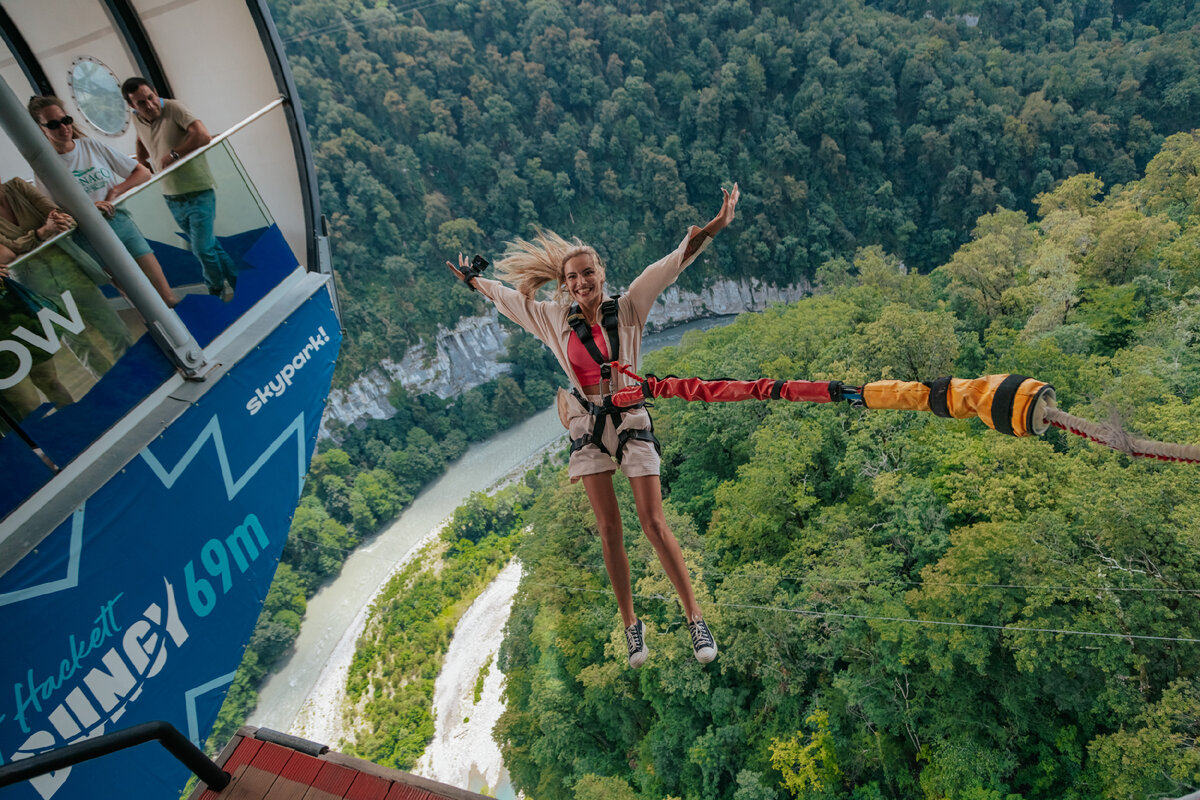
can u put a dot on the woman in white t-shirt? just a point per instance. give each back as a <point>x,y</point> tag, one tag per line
<point>105,174</point>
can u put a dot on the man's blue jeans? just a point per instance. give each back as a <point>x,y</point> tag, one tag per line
<point>195,213</point>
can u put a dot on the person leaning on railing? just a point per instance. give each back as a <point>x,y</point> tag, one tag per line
<point>27,219</point>
<point>168,132</point>
<point>105,174</point>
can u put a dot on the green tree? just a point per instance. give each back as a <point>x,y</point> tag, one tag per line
<point>908,345</point>
<point>1158,753</point>
<point>808,762</point>
<point>983,271</point>
<point>509,402</point>
<point>459,236</point>
<point>597,787</point>
<point>1125,242</point>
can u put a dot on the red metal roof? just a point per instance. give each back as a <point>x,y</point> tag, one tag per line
<point>274,770</point>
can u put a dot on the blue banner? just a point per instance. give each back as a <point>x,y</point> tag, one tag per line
<point>138,606</point>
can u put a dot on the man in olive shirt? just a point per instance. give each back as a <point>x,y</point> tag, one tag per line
<point>167,131</point>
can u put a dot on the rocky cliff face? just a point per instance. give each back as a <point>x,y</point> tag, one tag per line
<point>675,306</point>
<point>461,359</point>
<point>468,355</point>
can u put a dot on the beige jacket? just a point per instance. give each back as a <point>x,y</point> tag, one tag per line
<point>547,319</point>
<point>31,208</point>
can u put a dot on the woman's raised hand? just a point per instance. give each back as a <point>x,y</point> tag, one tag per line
<point>460,271</point>
<point>725,215</point>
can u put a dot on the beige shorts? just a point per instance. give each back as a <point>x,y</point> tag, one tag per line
<point>640,457</point>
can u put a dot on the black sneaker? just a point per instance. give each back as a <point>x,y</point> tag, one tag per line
<point>635,640</point>
<point>703,644</point>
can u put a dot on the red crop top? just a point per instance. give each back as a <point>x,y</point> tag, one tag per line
<point>586,368</point>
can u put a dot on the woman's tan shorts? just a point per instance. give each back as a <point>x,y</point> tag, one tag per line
<point>640,457</point>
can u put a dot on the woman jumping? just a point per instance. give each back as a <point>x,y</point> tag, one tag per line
<point>585,330</point>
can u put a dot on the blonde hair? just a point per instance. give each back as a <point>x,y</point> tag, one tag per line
<point>528,265</point>
<point>38,104</point>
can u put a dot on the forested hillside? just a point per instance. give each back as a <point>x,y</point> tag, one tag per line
<point>460,124</point>
<point>907,606</point>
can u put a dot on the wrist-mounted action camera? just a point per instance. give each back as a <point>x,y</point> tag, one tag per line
<point>478,265</point>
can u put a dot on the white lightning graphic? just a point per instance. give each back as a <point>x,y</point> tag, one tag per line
<point>168,478</point>
<point>232,487</point>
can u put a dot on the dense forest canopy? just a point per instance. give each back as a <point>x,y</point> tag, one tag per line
<point>462,124</point>
<point>906,606</point>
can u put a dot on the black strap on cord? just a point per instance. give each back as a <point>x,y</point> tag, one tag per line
<point>1003,401</point>
<point>939,401</point>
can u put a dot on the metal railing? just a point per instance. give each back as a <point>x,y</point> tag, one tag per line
<point>165,733</point>
<point>158,176</point>
<point>216,140</point>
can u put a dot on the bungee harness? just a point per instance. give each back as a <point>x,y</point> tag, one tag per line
<point>1012,404</point>
<point>606,411</point>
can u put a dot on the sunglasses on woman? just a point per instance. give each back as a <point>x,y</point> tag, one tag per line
<point>55,124</point>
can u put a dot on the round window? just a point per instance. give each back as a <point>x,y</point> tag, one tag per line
<point>98,95</point>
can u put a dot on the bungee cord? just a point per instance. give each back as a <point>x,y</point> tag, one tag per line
<point>1012,404</point>
<point>1117,438</point>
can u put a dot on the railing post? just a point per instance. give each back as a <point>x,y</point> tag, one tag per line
<point>164,324</point>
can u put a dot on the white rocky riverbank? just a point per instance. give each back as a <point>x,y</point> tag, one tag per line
<point>463,752</point>
<point>321,717</point>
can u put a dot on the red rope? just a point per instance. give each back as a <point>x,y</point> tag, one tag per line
<point>721,390</point>
<point>1136,453</point>
<point>627,370</point>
